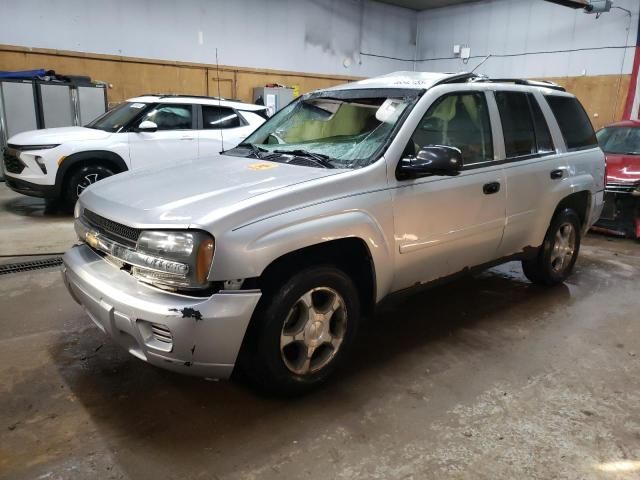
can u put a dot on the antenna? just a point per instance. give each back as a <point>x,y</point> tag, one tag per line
<point>480,64</point>
<point>219,96</point>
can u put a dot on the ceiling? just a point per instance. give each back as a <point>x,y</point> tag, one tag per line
<point>425,4</point>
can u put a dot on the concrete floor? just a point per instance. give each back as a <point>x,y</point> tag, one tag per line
<point>488,377</point>
<point>30,226</point>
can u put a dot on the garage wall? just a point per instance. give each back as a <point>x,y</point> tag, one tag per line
<point>128,76</point>
<point>312,36</point>
<point>536,39</point>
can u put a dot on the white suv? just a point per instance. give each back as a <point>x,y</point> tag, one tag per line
<point>268,257</point>
<point>145,132</point>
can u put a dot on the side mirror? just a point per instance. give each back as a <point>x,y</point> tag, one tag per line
<point>431,160</point>
<point>147,126</point>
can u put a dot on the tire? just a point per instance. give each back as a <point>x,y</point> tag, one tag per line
<point>556,258</point>
<point>285,353</point>
<point>80,179</point>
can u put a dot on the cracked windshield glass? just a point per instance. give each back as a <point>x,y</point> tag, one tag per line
<point>327,132</point>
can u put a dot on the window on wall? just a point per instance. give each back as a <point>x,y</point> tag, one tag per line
<point>574,122</point>
<point>215,118</point>
<point>171,117</point>
<point>458,120</point>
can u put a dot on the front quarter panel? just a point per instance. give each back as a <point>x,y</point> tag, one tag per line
<point>245,252</point>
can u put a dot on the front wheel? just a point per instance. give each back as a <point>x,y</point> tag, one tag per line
<point>555,259</point>
<point>302,331</point>
<point>79,180</point>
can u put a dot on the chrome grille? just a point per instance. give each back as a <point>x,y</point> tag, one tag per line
<point>12,163</point>
<point>116,231</point>
<point>621,187</point>
<point>161,333</point>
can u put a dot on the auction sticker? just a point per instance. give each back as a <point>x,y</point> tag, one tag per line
<point>262,166</point>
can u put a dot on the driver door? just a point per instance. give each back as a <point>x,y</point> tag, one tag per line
<point>445,224</point>
<point>175,140</point>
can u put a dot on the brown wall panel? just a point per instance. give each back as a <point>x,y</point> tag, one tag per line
<point>603,96</point>
<point>129,77</point>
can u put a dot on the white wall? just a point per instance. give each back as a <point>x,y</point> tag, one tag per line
<point>299,35</point>
<point>514,27</point>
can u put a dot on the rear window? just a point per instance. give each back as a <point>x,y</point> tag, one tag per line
<point>574,122</point>
<point>517,124</point>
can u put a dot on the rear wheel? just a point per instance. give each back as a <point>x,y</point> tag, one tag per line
<point>79,180</point>
<point>555,259</point>
<point>302,331</point>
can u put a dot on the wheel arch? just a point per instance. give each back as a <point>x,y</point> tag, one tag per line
<point>349,254</point>
<point>580,202</point>
<point>76,160</point>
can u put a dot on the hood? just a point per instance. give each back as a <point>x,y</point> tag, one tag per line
<point>186,193</point>
<point>57,135</point>
<point>623,168</point>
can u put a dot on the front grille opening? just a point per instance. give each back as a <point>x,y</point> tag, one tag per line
<point>12,163</point>
<point>156,335</point>
<point>161,333</point>
<point>114,230</point>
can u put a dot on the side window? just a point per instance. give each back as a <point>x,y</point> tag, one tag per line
<point>171,117</point>
<point>543,136</point>
<point>517,124</point>
<point>215,118</point>
<point>458,120</point>
<point>574,122</point>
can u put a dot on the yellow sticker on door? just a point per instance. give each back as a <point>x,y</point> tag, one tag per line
<point>262,166</point>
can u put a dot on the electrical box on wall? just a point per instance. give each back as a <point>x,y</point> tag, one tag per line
<point>598,6</point>
<point>465,53</point>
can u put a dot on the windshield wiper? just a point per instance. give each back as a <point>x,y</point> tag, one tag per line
<point>255,150</point>
<point>319,158</point>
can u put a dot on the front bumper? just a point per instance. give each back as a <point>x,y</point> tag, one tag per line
<point>195,336</point>
<point>31,189</point>
<point>621,215</point>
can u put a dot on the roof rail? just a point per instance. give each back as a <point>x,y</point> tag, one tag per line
<point>204,97</point>
<point>457,78</point>
<point>522,81</point>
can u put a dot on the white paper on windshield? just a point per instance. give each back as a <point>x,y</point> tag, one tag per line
<point>138,105</point>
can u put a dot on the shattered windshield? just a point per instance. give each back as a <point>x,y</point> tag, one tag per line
<point>347,130</point>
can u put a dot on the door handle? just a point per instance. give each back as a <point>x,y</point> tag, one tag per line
<point>491,188</point>
<point>187,138</point>
<point>556,174</point>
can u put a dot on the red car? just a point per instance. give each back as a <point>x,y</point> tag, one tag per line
<point>621,144</point>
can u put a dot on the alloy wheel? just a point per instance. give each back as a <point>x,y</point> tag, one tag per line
<point>564,246</point>
<point>313,331</point>
<point>86,181</point>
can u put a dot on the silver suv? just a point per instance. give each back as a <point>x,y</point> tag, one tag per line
<point>268,258</point>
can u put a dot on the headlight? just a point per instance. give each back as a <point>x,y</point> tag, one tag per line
<point>175,259</point>
<point>26,148</point>
<point>77,211</point>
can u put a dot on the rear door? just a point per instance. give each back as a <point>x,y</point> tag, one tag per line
<point>222,128</point>
<point>535,170</point>
<point>175,140</point>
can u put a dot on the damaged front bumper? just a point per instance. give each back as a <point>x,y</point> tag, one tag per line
<point>195,336</point>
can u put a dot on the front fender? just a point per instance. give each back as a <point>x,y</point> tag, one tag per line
<point>282,239</point>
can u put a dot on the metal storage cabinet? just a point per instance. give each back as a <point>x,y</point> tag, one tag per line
<point>56,104</point>
<point>34,104</point>
<point>92,102</point>
<point>18,108</point>
<point>274,98</point>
